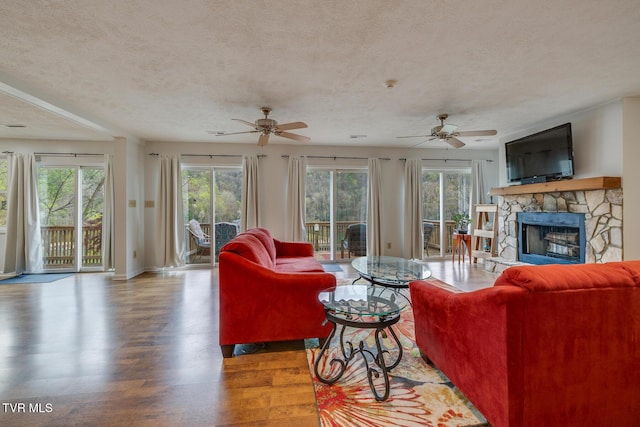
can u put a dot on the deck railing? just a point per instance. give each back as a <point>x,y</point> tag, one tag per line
<point>434,240</point>
<point>319,235</point>
<point>59,246</point>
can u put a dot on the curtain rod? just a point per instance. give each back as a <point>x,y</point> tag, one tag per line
<point>338,157</point>
<point>68,154</point>
<point>453,160</point>
<point>210,155</point>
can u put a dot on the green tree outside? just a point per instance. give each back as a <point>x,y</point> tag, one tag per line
<point>196,190</point>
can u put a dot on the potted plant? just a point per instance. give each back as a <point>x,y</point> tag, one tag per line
<point>462,221</point>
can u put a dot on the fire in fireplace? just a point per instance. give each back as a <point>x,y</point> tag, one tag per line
<point>551,237</point>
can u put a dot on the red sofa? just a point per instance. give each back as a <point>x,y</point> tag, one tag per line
<point>269,291</point>
<point>554,345</point>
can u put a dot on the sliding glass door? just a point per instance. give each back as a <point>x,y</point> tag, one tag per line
<point>212,198</point>
<point>335,200</point>
<point>71,202</point>
<point>444,194</point>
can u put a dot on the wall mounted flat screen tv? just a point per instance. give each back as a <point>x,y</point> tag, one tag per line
<point>543,156</point>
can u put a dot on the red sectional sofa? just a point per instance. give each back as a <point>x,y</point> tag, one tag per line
<point>554,345</point>
<point>269,291</point>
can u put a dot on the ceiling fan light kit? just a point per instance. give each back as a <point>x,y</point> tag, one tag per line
<point>448,133</point>
<point>266,126</point>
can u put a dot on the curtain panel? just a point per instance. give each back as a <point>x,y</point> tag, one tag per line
<point>479,192</point>
<point>108,223</point>
<point>23,245</point>
<point>296,188</point>
<point>478,189</point>
<point>170,227</point>
<point>374,209</point>
<point>413,232</point>
<point>250,215</point>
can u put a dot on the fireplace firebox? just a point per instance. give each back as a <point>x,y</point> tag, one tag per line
<point>551,237</point>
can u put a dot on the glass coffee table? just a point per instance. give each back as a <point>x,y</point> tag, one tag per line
<point>389,271</point>
<point>361,307</point>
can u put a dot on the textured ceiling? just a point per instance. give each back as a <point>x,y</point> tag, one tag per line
<point>172,70</point>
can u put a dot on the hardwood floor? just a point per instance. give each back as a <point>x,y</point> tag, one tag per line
<point>86,350</point>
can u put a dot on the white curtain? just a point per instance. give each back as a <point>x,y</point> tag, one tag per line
<point>478,189</point>
<point>479,193</point>
<point>170,227</point>
<point>374,208</point>
<point>23,245</point>
<point>250,191</point>
<point>296,230</point>
<point>108,226</point>
<point>413,242</point>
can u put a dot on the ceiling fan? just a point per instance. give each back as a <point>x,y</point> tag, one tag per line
<point>448,133</point>
<point>267,126</point>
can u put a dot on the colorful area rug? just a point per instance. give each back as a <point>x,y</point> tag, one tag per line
<point>420,395</point>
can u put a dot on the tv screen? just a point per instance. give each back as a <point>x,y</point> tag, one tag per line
<point>547,155</point>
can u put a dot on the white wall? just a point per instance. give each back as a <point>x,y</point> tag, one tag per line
<point>273,178</point>
<point>129,166</point>
<point>631,201</point>
<point>597,141</point>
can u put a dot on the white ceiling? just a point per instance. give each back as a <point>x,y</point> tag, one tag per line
<point>171,70</point>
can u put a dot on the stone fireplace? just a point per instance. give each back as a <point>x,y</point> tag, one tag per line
<point>597,200</point>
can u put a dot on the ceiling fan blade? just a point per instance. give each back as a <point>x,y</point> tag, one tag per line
<point>413,136</point>
<point>420,143</point>
<point>455,142</point>
<point>253,125</point>
<point>447,129</point>
<point>477,133</point>
<point>264,138</point>
<point>235,133</point>
<point>293,136</point>
<point>293,125</point>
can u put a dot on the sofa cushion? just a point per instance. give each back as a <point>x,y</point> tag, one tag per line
<point>264,236</point>
<point>249,247</point>
<point>298,264</point>
<point>558,277</point>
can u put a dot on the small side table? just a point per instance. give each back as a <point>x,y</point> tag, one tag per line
<point>461,244</point>
<point>361,307</point>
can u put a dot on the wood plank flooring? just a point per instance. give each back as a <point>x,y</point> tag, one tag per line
<point>86,350</point>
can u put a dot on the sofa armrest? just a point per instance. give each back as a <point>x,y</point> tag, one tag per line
<point>291,249</point>
<point>472,337</point>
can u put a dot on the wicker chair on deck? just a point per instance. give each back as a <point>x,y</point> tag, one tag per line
<point>200,238</point>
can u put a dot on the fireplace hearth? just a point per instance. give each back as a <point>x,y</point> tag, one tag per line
<point>551,237</point>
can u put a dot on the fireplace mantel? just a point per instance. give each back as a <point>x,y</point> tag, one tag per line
<point>583,184</point>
